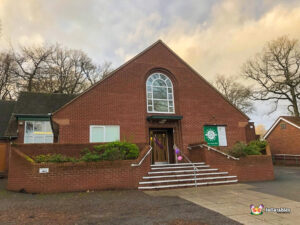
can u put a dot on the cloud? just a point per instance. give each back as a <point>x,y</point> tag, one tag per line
<point>214,37</point>
<point>231,37</point>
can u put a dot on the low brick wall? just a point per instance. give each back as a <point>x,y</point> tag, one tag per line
<point>66,177</point>
<point>249,168</point>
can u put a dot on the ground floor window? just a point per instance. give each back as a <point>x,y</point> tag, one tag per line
<point>38,132</point>
<point>107,133</point>
<point>215,135</point>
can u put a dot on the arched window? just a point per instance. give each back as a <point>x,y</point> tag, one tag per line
<point>160,95</point>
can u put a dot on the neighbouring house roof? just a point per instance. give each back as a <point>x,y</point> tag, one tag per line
<point>34,105</point>
<point>292,120</point>
<point>140,54</point>
<point>40,103</point>
<point>6,109</point>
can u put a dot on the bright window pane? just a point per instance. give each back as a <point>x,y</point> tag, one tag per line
<point>160,106</point>
<point>38,126</point>
<point>112,133</point>
<point>169,83</point>
<point>47,127</point>
<point>162,76</point>
<point>49,139</point>
<point>155,76</point>
<point>29,127</point>
<point>28,139</point>
<point>160,93</point>
<point>159,83</point>
<point>97,134</point>
<point>39,139</point>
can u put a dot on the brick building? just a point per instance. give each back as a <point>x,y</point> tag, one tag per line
<point>284,136</point>
<point>155,97</point>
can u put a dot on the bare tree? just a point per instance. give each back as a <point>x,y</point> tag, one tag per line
<point>32,65</point>
<point>71,71</point>
<point>236,93</point>
<point>276,73</point>
<point>7,79</point>
<point>48,69</point>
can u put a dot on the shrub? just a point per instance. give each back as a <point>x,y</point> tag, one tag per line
<point>253,148</point>
<point>262,145</point>
<point>117,150</point>
<point>238,150</point>
<point>90,157</point>
<point>111,151</point>
<point>58,158</point>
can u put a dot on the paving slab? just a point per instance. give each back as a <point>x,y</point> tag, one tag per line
<point>234,200</point>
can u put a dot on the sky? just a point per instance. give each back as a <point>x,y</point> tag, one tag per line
<point>214,37</point>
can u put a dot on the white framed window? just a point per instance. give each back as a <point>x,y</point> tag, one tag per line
<point>160,94</point>
<point>38,132</point>
<point>107,133</point>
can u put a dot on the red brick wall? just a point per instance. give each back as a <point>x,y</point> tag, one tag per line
<point>249,168</point>
<point>121,100</point>
<point>284,141</point>
<point>66,177</point>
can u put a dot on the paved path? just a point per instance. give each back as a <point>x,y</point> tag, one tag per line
<point>234,200</point>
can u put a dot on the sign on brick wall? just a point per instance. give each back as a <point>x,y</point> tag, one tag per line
<point>215,135</point>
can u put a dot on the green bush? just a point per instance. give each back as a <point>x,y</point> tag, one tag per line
<point>240,149</point>
<point>111,151</point>
<point>117,150</point>
<point>58,158</point>
<point>90,157</point>
<point>262,145</point>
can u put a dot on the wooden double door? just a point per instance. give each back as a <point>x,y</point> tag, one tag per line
<point>162,142</point>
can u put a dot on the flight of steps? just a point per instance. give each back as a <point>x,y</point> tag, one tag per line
<point>165,176</point>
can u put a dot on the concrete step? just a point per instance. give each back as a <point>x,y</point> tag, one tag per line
<point>185,175</point>
<point>177,164</point>
<point>179,167</point>
<point>181,171</point>
<point>187,185</point>
<point>185,180</point>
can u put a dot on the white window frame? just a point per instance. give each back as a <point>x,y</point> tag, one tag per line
<point>152,97</point>
<point>104,131</point>
<point>33,136</point>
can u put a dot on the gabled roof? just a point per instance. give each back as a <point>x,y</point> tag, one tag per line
<point>34,104</point>
<point>140,54</point>
<point>6,109</point>
<point>292,120</point>
<point>40,103</point>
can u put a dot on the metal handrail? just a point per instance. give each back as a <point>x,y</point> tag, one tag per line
<point>195,168</point>
<point>138,164</point>
<point>285,155</point>
<point>216,150</point>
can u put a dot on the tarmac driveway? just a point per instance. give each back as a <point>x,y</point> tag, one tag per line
<point>103,207</point>
<point>234,200</point>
